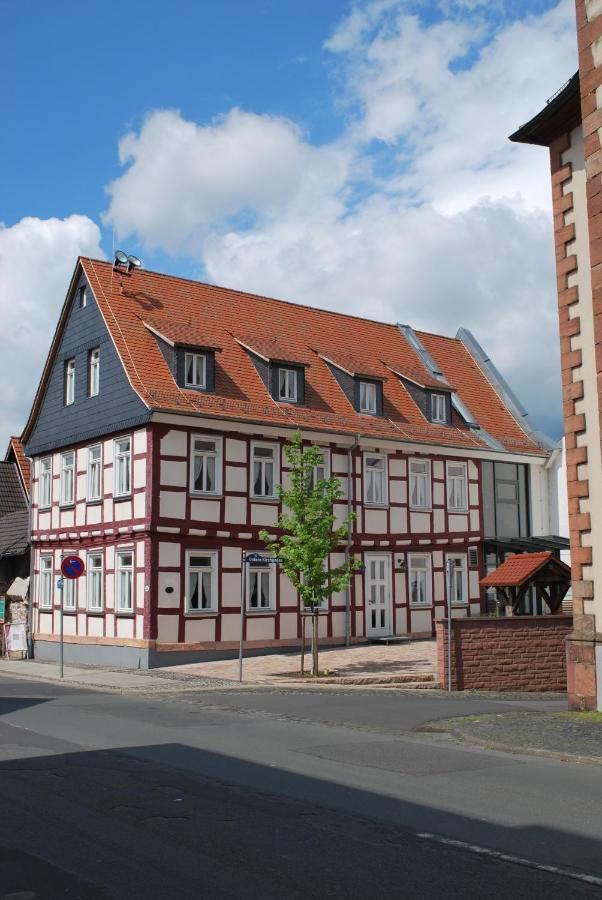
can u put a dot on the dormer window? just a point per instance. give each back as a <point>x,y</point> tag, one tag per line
<point>368,397</point>
<point>195,370</point>
<point>439,409</point>
<point>287,385</point>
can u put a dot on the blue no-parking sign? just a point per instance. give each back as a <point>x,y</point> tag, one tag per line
<point>73,567</point>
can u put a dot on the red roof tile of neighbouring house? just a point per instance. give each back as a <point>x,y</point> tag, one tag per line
<point>517,569</point>
<point>16,454</point>
<point>206,315</point>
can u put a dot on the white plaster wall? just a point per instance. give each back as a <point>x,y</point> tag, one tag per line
<point>205,510</point>
<point>175,443</point>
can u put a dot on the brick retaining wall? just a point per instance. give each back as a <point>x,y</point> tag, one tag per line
<point>514,653</point>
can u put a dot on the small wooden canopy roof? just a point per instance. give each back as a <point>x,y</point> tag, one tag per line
<point>550,577</point>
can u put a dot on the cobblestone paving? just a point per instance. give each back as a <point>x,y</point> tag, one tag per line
<point>557,733</point>
<point>359,661</point>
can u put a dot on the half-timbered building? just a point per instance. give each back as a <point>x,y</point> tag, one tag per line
<point>156,440</point>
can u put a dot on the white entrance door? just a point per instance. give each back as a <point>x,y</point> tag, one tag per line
<point>378,596</point>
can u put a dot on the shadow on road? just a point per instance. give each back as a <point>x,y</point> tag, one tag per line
<point>170,820</point>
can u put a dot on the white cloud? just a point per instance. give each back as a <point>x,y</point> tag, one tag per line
<point>421,211</point>
<point>184,178</point>
<point>37,257</point>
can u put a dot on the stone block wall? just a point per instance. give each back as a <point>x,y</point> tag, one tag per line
<point>520,653</point>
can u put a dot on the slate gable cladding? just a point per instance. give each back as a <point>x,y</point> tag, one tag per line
<point>116,406</point>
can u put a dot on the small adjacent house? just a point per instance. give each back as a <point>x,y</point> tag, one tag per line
<point>14,531</point>
<point>156,439</point>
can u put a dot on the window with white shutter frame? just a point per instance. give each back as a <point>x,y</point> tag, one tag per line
<point>419,579</point>
<point>368,397</point>
<point>95,580</point>
<point>45,586</point>
<point>457,580</point>
<point>201,581</point>
<point>67,483</point>
<point>287,385</point>
<point>321,472</point>
<point>122,465</point>
<point>375,479</point>
<point>94,473</point>
<point>205,464</point>
<point>264,470</point>
<point>124,581</point>
<point>439,409</point>
<point>69,397</point>
<point>94,372</point>
<point>195,370</point>
<point>45,483</point>
<point>261,588</point>
<point>420,484</point>
<point>457,488</point>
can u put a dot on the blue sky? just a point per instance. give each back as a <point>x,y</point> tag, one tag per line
<point>352,156</point>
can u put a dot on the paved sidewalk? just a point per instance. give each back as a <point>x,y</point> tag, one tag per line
<point>112,680</point>
<point>408,662</point>
<point>575,736</point>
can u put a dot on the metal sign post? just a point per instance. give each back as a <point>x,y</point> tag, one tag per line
<point>449,622</point>
<point>253,559</point>
<point>72,567</point>
<point>243,606</point>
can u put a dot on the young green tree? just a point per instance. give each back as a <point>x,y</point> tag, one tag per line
<point>309,533</point>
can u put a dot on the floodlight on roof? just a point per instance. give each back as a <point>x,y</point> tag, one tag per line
<point>133,263</point>
<point>121,258</point>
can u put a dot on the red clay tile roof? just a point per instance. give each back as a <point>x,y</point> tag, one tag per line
<point>517,569</point>
<point>185,333</point>
<point>273,350</point>
<point>418,376</point>
<point>128,300</point>
<point>350,363</point>
<point>15,453</point>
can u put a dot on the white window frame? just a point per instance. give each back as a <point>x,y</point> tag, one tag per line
<point>70,594</point>
<point>46,581</point>
<point>422,475</point>
<point>64,480</point>
<point>92,498</point>
<point>45,484</point>
<point>276,469</point>
<point>82,297</point>
<point>368,403</point>
<point>439,409</point>
<point>69,387</point>
<point>290,385</point>
<point>117,455</point>
<point>120,568</point>
<point>428,579</point>
<point>199,365</point>
<point>314,478</point>
<point>383,501</point>
<point>451,486</point>
<point>217,454</point>
<point>95,575</point>
<point>213,570</point>
<point>462,571</point>
<point>94,372</point>
<point>270,571</point>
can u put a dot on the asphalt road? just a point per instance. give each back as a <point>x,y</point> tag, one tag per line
<point>277,793</point>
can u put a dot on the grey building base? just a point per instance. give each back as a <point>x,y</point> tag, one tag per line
<point>136,658</point>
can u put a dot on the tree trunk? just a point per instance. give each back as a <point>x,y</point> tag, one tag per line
<point>314,643</point>
<point>303,620</point>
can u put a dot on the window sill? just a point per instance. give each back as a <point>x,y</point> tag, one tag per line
<point>421,605</point>
<point>198,495</point>
<point>267,611</point>
<point>129,614</point>
<point>45,508</point>
<point>265,499</point>
<point>200,613</point>
<point>97,502</point>
<point>454,512</point>
<point>68,612</point>
<point>426,509</point>
<point>67,505</point>
<point>95,612</point>
<point>117,497</point>
<point>375,505</point>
